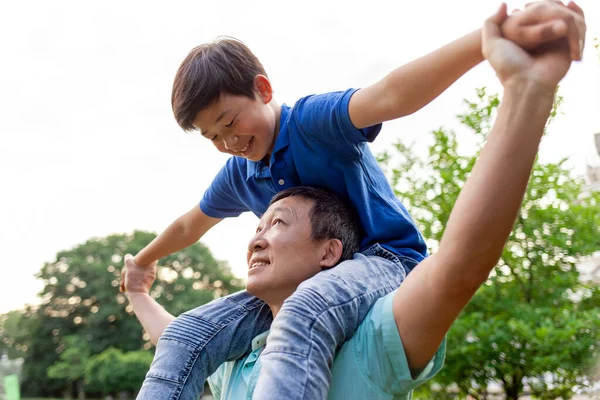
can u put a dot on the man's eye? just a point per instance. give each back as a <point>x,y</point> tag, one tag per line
<point>258,229</point>
<point>277,221</point>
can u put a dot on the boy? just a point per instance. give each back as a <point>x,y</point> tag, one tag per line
<point>222,90</point>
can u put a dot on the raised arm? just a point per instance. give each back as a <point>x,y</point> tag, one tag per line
<point>138,274</point>
<point>485,211</point>
<point>183,232</point>
<point>412,86</point>
<point>136,282</point>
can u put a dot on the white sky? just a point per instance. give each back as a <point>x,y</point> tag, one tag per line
<point>88,143</point>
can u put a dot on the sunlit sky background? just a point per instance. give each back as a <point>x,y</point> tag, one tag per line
<point>88,143</point>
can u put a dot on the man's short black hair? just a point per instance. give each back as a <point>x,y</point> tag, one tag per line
<point>330,217</point>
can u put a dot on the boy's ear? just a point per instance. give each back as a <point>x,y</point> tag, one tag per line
<point>332,253</point>
<point>263,87</point>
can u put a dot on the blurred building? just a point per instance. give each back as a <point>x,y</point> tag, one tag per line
<point>590,267</point>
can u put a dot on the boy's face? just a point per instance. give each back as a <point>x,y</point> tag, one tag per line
<point>241,126</point>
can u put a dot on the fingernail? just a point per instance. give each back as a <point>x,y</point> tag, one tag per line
<point>580,49</point>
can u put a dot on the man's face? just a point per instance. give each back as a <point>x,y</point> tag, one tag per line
<point>282,254</point>
<point>240,126</point>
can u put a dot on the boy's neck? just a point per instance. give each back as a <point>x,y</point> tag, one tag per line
<point>277,111</point>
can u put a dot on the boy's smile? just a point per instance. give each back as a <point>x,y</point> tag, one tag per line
<point>241,126</point>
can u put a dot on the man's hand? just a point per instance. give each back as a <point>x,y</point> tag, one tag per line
<point>545,21</point>
<point>136,279</point>
<point>546,66</point>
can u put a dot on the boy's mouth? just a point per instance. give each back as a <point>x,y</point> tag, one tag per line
<point>247,149</point>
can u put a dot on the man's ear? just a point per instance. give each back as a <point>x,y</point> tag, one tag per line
<point>262,85</point>
<point>332,252</point>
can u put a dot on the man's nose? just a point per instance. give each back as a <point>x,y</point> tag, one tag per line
<point>258,242</point>
<point>230,141</point>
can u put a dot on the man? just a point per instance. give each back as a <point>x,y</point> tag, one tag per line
<point>401,342</point>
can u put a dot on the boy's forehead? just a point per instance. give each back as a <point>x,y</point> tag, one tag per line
<point>225,105</point>
<point>210,115</point>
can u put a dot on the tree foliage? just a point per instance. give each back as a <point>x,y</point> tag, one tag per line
<point>113,371</point>
<point>534,326</point>
<point>81,299</point>
<point>71,363</point>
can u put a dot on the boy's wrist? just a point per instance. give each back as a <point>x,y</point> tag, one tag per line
<point>140,261</point>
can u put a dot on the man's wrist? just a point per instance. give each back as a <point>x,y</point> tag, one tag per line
<point>524,110</point>
<point>135,296</point>
<point>526,87</point>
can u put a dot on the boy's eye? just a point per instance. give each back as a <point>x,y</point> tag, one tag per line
<point>229,125</point>
<point>213,138</point>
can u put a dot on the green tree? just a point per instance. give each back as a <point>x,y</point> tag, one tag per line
<point>534,326</point>
<point>113,371</point>
<point>71,363</point>
<point>9,330</point>
<point>81,298</point>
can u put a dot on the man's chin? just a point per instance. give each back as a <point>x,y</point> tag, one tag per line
<point>254,287</point>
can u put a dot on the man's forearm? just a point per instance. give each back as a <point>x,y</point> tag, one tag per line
<point>479,224</point>
<point>487,206</point>
<point>153,317</point>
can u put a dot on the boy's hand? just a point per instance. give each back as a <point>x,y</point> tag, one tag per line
<point>545,21</point>
<point>136,279</point>
<point>515,66</point>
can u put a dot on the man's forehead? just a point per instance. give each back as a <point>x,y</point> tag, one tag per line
<point>292,206</point>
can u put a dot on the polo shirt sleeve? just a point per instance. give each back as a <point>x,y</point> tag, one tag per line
<point>220,199</point>
<point>325,119</point>
<point>379,350</point>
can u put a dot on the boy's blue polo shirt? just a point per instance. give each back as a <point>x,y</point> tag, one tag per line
<point>318,146</point>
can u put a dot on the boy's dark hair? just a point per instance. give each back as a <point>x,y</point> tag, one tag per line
<point>330,217</point>
<point>224,66</point>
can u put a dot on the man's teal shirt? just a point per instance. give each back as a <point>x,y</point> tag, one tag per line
<point>371,365</point>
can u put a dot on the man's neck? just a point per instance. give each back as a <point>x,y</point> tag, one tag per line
<point>275,308</point>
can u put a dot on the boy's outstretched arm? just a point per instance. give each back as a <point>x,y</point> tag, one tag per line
<point>484,213</point>
<point>183,232</point>
<point>412,86</point>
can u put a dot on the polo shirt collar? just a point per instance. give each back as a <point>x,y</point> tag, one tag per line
<point>283,138</point>
<point>259,341</point>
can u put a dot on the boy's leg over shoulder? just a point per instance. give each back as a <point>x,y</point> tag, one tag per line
<point>197,342</point>
<point>322,314</point>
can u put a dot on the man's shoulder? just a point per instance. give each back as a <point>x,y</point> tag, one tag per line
<point>379,309</point>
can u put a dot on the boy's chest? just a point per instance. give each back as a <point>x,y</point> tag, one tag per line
<point>287,172</point>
